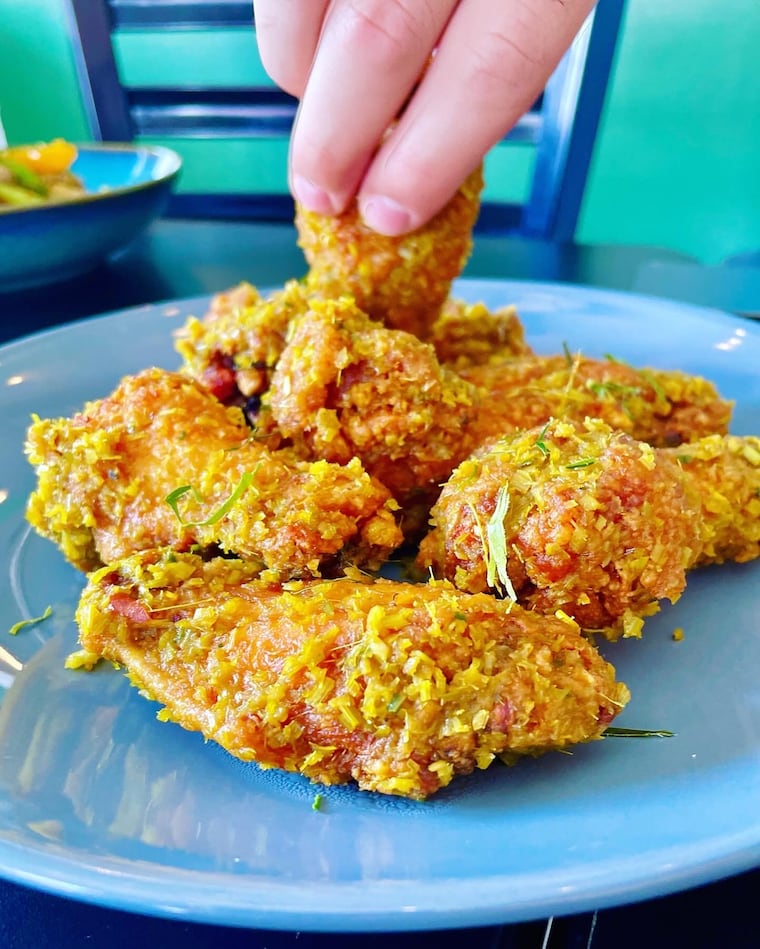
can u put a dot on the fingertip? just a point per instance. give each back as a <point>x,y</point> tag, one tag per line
<point>385,215</point>
<point>313,197</point>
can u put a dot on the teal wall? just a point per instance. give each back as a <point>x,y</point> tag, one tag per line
<point>678,156</point>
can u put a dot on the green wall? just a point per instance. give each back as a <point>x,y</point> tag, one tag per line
<point>678,156</point>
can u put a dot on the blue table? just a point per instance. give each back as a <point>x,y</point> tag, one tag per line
<point>177,259</point>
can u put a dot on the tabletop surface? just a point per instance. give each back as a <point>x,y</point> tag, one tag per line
<point>177,259</point>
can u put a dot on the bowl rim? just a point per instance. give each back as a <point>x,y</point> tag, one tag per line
<point>159,151</point>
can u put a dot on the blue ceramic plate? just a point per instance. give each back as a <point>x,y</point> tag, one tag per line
<point>127,187</point>
<point>100,801</point>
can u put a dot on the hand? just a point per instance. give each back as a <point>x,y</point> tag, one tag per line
<point>356,66</point>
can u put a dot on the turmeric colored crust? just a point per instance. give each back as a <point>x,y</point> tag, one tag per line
<point>723,473</point>
<point>469,334</point>
<point>399,687</point>
<point>664,408</point>
<point>104,475</point>
<point>594,524</point>
<point>347,386</point>
<point>401,281</point>
<point>234,348</point>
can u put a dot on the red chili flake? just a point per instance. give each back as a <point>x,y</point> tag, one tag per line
<point>219,378</point>
<point>501,717</point>
<point>129,607</point>
<point>605,715</point>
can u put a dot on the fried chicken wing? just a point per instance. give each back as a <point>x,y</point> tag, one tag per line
<point>723,473</point>
<point>401,281</point>
<point>234,348</point>
<point>104,477</point>
<point>653,405</point>
<point>469,334</point>
<point>587,520</point>
<point>397,686</point>
<point>578,518</point>
<point>347,386</point>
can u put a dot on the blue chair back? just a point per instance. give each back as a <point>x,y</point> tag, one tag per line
<point>561,126</point>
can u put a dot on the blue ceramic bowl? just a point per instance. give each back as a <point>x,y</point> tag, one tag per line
<point>128,186</point>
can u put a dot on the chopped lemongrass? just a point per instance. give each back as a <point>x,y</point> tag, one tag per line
<point>172,499</point>
<point>496,543</point>
<point>22,624</point>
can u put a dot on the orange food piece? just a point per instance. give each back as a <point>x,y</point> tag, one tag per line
<point>397,686</point>
<point>47,158</point>
<point>105,476</point>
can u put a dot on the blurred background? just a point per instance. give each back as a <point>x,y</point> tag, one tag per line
<point>677,158</point>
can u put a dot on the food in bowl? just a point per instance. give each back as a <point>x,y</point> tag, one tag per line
<point>33,175</point>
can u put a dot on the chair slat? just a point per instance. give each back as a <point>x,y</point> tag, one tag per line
<point>180,14</point>
<point>204,113</point>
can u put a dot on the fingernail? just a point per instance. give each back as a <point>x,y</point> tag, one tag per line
<point>385,215</point>
<point>311,196</point>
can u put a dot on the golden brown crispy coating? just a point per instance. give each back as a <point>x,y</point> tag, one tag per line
<point>346,386</point>
<point>104,476</point>
<point>234,348</point>
<point>469,334</point>
<point>401,281</point>
<point>397,686</point>
<point>582,518</point>
<point>723,473</point>
<point>653,405</point>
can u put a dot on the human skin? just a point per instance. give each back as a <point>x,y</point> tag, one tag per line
<point>356,67</point>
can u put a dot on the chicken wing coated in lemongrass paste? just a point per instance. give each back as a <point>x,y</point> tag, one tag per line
<point>658,406</point>
<point>399,687</point>
<point>469,334</point>
<point>584,519</point>
<point>161,462</point>
<point>723,475</point>
<point>233,349</point>
<point>571,517</point>
<point>347,386</point>
<point>401,281</point>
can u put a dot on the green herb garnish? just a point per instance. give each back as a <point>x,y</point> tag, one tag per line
<point>637,733</point>
<point>22,624</point>
<point>612,390</point>
<point>316,804</point>
<point>645,374</point>
<point>582,463</point>
<point>540,443</point>
<point>395,703</point>
<point>173,498</point>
